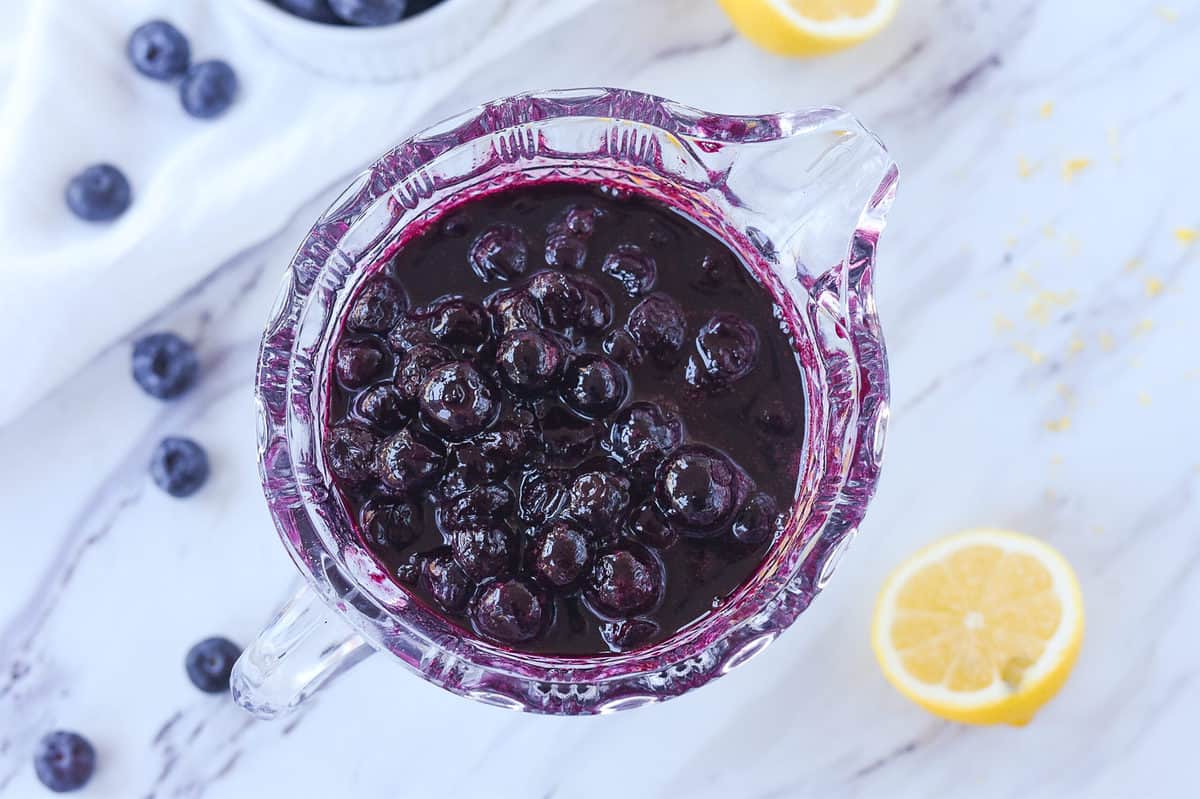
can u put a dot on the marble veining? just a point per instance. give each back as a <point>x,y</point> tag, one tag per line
<point>1036,284</point>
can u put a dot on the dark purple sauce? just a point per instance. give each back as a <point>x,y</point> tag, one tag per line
<point>568,421</point>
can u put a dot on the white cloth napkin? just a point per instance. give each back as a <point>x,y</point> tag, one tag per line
<point>203,190</point>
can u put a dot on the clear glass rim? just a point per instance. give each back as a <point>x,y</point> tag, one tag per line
<point>844,461</point>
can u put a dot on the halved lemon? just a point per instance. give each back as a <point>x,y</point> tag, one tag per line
<point>808,27</point>
<point>982,627</point>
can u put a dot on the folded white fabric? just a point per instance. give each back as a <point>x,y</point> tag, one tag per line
<point>203,189</point>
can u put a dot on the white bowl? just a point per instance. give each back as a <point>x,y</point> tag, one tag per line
<point>384,53</point>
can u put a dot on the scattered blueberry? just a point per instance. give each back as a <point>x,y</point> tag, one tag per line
<point>350,451</point>
<point>594,385</point>
<point>208,89</point>
<point>164,365</point>
<point>698,489</point>
<point>64,761</point>
<point>405,462</point>
<point>541,495</point>
<point>642,434</point>
<point>726,350</point>
<point>509,611</point>
<point>99,193</point>
<point>378,306</point>
<point>647,526</point>
<point>500,253</point>
<point>210,662</point>
<point>179,466</point>
<point>456,401</point>
<point>158,50</point>
<point>368,12</point>
<point>313,10</point>
<point>620,346</point>
<point>456,322</point>
<point>658,326</point>
<point>478,505</point>
<point>623,583</point>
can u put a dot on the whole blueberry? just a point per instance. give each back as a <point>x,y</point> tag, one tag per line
<point>500,253</point>
<point>594,385</point>
<point>350,451</point>
<point>457,322</point>
<point>484,550</point>
<point>64,761</point>
<point>509,611</point>
<point>164,365</point>
<point>530,361</point>
<point>179,466</point>
<point>405,462</point>
<point>514,309</point>
<point>658,325</point>
<point>391,524</point>
<point>565,251</point>
<point>567,437</point>
<point>210,662</point>
<point>99,193</point>
<point>158,50</point>
<point>625,583</point>
<point>626,634</point>
<point>632,267</point>
<point>647,526</point>
<point>698,489</point>
<point>481,504</point>
<point>415,366</point>
<point>378,305</point>
<point>208,89</point>
<point>368,12</point>
<point>757,520</point>
<point>357,363</point>
<point>382,407</point>
<point>598,500</point>
<point>642,434</point>
<point>314,10</point>
<point>726,351</point>
<point>560,554</point>
<point>541,495</point>
<point>456,401</point>
<point>445,581</point>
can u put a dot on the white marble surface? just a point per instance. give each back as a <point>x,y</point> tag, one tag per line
<point>1045,377</point>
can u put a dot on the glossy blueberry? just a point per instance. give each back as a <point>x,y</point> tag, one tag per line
<point>368,12</point>
<point>726,351</point>
<point>509,441</point>
<point>510,611</point>
<point>620,346</point>
<point>625,583</point>
<point>208,89</point>
<point>647,526</point>
<point>445,581</point>
<point>415,366</point>
<point>565,251</point>
<point>642,434</point>
<point>627,634</point>
<point>480,504</point>
<point>514,309</point>
<point>210,662</point>
<point>350,452</point>
<point>456,401</point>
<point>467,466</point>
<point>179,466</point>
<point>313,10</point>
<point>405,462</point>
<point>378,306</point>
<point>409,570</point>
<point>757,521</point>
<point>358,363</point>
<point>571,301</point>
<point>158,50</point>
<point>594,385</point>
<point>596,313</point>
<point>457,322</point>
<point>390,523</point>
<point>500,253</point>
<point>382,407</point>
<point>565,435</point>
<point>580,220</point>
<point>530,361</point>
<point>542,494</point>
<point>164,365</point>
<point>632,267</point>
<point>99,193</point>
<point>598,501</point>
<point>484,550</point>
<point>658,325</point>
<point>697,489</point>
<point>560,554</point>
<point>64,761</point>
<point>411,330</point>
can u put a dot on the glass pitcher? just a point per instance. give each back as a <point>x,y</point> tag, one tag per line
<point>801,197</point>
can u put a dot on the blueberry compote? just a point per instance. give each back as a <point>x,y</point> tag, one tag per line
<point>565,417</point>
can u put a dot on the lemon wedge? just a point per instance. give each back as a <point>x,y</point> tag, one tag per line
<point>982,627</point>
<point>808,27</point>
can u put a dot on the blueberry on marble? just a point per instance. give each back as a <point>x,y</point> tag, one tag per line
<point>99,193</point>
<point>179,466</point>
<point>64,761</point>
<point>369,13</point>
<point>208,89</point>
<point>164,365</point>
<point>158,50</point>
<point>210,662</point>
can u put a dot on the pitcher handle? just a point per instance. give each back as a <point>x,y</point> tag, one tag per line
<point>303,647</point>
